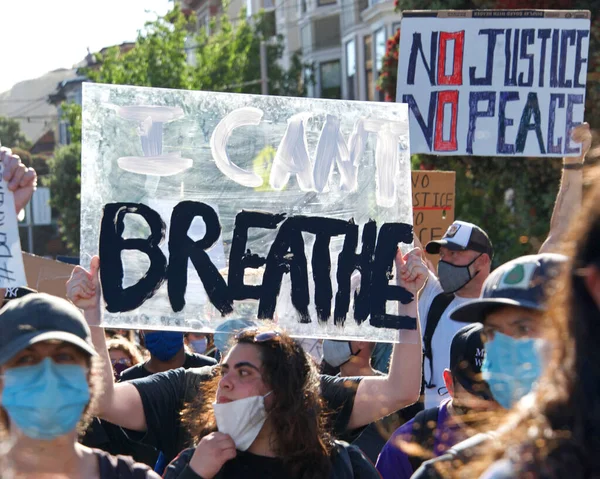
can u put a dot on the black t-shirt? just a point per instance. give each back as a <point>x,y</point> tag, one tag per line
<point>244,465</point>
<point>165,394</point>
<point>122,467</point>
<point>192,360</point>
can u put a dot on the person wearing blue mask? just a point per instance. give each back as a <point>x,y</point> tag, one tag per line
<point>167,352</point>
<point>48,367</point>
<point>510,307</point>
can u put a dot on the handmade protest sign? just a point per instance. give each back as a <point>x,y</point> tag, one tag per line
<point>433,205</point>
<point>12,271</point>
<point>494,82</point>
<point>209,206</point>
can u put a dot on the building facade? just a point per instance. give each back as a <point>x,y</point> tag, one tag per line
<point>344,41</point>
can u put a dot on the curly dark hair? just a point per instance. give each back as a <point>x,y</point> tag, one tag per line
<point>300,437</point>
<point>557,433</point>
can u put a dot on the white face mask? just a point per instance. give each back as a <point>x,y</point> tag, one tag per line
<point>199,345</point>
<point>242,419</point>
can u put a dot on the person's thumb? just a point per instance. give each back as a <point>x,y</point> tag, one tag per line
<point>94,269</point>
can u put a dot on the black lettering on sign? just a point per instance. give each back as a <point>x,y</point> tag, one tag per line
<point>182,248</point>
<point>112,243</point>
<point>239,259</point>
<point>390,234</point>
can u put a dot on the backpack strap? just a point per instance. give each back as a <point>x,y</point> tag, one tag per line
<point>423,434</point>
<point>437,308</point>
<point>341,462</point>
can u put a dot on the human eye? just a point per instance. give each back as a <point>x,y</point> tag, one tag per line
<point>25,360</point>
<point>244,372</point>
<point>64,357</point>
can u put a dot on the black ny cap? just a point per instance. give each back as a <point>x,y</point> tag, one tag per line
<point>41,317</point>
<point>462,236</point>
<point>522,282</point>
<point>466,356</point>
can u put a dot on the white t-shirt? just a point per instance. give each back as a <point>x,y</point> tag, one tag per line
<point>441,341</point>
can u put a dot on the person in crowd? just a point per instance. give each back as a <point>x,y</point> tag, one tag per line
<point>263,417</point>
<point>466,254</point>
<point>511,309</point>
<point>202,343</point>
<point>354,358</point>
<point>437,429</point>
<point>153,404</point>
<point>123,354</point>
<point>167,351</point>
<point>49,384</point>
<point>554,432</point>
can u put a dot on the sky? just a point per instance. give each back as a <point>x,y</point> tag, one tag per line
<point>45,35</point>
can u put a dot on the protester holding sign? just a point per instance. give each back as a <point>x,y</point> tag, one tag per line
<point>21,182</point>
<point>154,404</point>
<point>48,390</point>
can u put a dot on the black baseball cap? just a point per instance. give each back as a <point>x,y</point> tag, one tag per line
<point>41,317</point>
<point>466,356</point>
<point>522,282</point>
<point>16,293</point>
<point>462,236</point>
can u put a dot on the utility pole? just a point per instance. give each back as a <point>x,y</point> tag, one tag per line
<point>264,73</point>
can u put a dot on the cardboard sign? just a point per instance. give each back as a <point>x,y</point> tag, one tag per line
<point>47,275</point>
<point>12,273</point>
<point>208,206</point>
<point>494,82</point>
<point>433,205</point>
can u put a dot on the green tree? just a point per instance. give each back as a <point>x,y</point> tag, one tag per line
<point>65,184</point>
<point>226,60</point>
<point>11,136</point>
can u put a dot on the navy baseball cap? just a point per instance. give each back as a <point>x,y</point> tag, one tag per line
<point>41,317</point>
<point>466,357</point>
<point>521,282</point>
<point>462,236</point>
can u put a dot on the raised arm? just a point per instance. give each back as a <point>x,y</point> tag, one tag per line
<point>119,403</point>
<point>569,195</point>
<point>377,397</point>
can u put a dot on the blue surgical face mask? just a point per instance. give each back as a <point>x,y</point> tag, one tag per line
<point>511,367</point>
<point>46,400</point>
<point>199,345</point>
<point>164,345</point>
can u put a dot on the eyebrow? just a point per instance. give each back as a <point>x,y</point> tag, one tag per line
<point>241,364</point>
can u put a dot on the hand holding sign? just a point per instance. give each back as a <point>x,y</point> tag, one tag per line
<point>21,180</point>
<point>83,288</point>
<point>412,272</point>
<point>581,134</point>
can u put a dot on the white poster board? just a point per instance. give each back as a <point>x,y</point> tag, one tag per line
<point>494,82</point>
<point>208,206</point>
<point>12,271</point>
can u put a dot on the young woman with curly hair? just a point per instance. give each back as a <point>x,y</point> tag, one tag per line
<point>266,419</point>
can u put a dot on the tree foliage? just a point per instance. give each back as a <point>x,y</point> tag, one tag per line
<point>226,60</point>
<point>511,198</point>
<point>11,136</point>
<point>65,184</point>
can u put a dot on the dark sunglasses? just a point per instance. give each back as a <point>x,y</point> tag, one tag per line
<point>260,337</point>
<point>126,362</point>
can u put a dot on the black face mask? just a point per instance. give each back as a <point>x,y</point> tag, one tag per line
<point>452,277</point>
